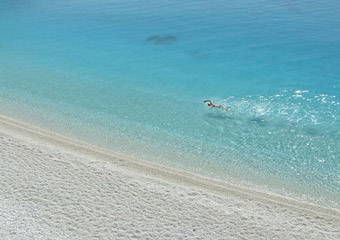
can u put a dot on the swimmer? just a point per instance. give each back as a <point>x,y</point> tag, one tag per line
<point>213,105</point>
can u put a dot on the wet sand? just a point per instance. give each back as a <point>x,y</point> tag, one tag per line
<point>53,187</point>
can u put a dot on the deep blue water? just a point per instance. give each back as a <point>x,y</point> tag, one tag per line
<point>131,76</point>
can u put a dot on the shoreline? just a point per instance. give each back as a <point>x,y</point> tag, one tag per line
<point>153,168</point>
<point>210,160</point>
<point>33,135</point>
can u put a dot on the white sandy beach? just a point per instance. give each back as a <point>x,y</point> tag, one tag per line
<point>56,188</point>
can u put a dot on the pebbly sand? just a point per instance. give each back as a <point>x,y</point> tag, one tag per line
<point>56,188</point>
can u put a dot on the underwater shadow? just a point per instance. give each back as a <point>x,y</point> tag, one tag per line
<point>262,122</point>
<point>258,120</point>
<point>219,116</point>
<point>199,55</point>
<point>160,39</point>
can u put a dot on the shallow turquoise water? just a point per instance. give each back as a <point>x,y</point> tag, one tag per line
<point>131,76</point>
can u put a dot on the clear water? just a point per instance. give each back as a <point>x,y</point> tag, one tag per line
<point>131,76</point>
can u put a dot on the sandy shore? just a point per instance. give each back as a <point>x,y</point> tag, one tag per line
<point>56,188</point>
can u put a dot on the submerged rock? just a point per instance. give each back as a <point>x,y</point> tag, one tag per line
<point>161,39</point>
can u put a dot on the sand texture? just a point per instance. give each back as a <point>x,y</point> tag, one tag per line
<point>56,188</point>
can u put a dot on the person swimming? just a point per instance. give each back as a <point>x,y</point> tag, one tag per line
<point>213,105</point>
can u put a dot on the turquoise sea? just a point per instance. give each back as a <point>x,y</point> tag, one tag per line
<point>131,76</point>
